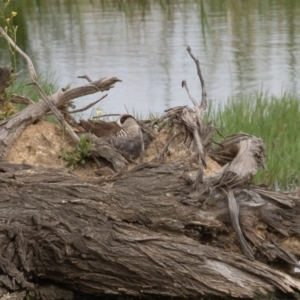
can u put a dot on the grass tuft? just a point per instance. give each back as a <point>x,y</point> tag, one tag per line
<point>48,83</point>
<point>276,120</point>
<point>79,154</point>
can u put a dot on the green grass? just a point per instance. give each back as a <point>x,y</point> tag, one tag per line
<point>21,87</point>
<point>48,83</point>
<point>79,154</point>
<point>277,121</point>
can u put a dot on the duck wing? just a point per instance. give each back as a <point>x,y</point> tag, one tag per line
<point>100,128</point>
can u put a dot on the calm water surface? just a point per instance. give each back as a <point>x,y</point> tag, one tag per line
<point>243,46</point>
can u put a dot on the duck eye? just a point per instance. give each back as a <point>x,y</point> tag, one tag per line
<point>123,119</point>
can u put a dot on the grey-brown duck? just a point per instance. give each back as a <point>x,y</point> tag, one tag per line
<point>124,134</point>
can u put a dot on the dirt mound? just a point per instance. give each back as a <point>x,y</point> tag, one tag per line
<point>42,143</point>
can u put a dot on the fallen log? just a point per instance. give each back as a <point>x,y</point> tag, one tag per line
<point>130,235</point>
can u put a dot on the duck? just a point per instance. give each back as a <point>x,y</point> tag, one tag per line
<point>126,126</point>
<point>124,134</point>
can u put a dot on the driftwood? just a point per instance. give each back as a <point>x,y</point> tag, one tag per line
<point>164,228</point>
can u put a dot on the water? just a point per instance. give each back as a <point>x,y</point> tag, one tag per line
<point>243,46</point>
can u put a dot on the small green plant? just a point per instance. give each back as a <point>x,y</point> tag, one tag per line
<point>6,107</point>
<point>10,30</point>
<point>79,154</point>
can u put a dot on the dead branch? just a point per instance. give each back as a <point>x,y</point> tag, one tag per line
<point>197,107</point>
<point>106,115</point>
<point>57,113</point>
<point>14,45</point>
<point>20,99</point>
<point>88,106</point>
<point>203,104</point>
<point>234,214</point>
<point>192,126</point>
<point>168,116</point>
<point>85,77</point>
<point>161,156</point>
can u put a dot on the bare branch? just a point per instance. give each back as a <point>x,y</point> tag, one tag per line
<point>106,115</point>
<point>169,114</point>
<point>197,107</point>
<point>88,106</point>
<point>14,45</point>
<point>161,156</point>
<point>20,99</point>
<point>203,101</point>
<point>189,121</point>
<point>57,113</point>
<point>85,77</point>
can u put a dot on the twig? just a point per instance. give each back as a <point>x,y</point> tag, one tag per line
<point>57,113</point>
<point>21,99</point>
<point>107,115</point>
<point>161,156</point>
<point>172,112</point>
<point>142,146</point>
<point>14,45</point>
<point>203,101</point>
<point>88,106</point>
<point>85,77</point>
<point>184,84</point>
<point>89,80</point>
<point>145,128</point>
<point>197,107</point>
<point>189,119</point>
<point>191,124</point>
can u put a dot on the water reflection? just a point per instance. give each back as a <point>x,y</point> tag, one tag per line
<point>243,46</point>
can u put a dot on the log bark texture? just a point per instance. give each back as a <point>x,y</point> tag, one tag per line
<point>131,234</point>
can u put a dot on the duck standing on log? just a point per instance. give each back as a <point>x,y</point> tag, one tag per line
<point>124,134</point>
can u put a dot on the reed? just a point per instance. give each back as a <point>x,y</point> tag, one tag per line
<point>276,120</point>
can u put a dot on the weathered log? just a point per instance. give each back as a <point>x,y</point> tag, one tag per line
<point>131,234</point>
